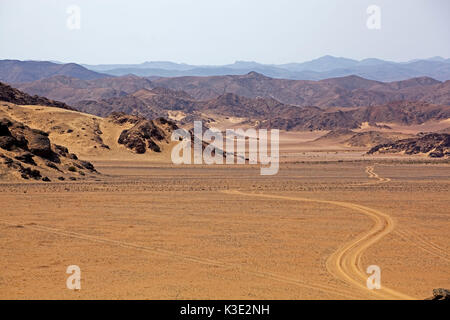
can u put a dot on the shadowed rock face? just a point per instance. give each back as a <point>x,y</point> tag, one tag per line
<point>145,134</point>
<point>17,136</point>
<point>437,145</point>
<point>21,145</point>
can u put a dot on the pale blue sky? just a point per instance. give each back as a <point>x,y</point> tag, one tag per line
<point>220,32</point>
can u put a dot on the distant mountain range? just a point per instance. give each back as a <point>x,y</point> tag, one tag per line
<point>16,71</point>
<point>256,99</point>
<point>318,69</point>
<point>264,102</point>
<point>350,91</point>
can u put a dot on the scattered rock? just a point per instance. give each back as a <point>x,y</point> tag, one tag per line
<point>440,294</point>
<point>27,173</point>
<point>26,157</point>
<point>87,165</point>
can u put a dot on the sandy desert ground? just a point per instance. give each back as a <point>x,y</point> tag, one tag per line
<point>149,230</point>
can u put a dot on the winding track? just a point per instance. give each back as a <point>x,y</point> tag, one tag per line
<point>344,263</point>
<point>372,175</point>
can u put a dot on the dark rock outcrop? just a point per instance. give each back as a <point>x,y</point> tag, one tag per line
<point>147,134</point>
<point>437,145</point>
<point>440,294</point>
<point>29,152</point>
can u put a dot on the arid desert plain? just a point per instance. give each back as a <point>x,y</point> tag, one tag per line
<point>357,207</point>
<point>153,230</point>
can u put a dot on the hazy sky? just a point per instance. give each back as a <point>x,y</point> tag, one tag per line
<point>220,32</point>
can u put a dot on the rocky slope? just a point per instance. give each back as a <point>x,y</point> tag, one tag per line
<point>10,94</point>
<point>72,90</point>
<point>363,139</point>
<point>435,145</point>
<point>29,154</point>
<point>373,138</point>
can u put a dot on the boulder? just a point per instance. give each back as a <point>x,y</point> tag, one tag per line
<point>26,157</point>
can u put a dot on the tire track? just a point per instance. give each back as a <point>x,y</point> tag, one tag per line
<point>372,175</point>
<point>424,244</point>
<point>209,262</point>
<point>345,263</point>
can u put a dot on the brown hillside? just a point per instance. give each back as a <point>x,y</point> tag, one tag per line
<point>10,94</point>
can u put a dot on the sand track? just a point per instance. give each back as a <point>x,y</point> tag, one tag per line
<point>345,262</point>
<point>372,175</point>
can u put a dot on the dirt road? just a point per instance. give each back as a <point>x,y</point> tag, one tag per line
<point>345,262</point>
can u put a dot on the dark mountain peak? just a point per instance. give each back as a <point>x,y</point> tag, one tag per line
<point>255,75</point>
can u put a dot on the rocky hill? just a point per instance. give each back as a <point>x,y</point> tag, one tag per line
<point>9,94</point>
<point>72,90</point>
<point>29,154</point>
<point>349,91</point>
<point>373,138</point>
<point>404,112</point>
<point>435,145</point>
<point>144,134</point>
